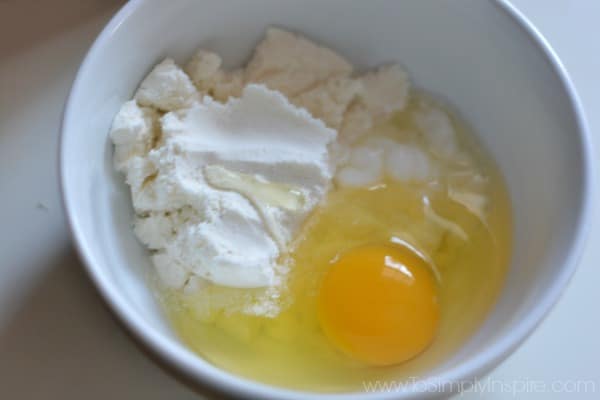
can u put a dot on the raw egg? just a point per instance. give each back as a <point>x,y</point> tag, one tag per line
<point>379,304</point>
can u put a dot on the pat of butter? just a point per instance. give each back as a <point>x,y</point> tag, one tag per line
<point>256,189</point>
<point>262,194</point>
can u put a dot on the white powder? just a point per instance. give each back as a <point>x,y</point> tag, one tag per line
<point>229,186</point>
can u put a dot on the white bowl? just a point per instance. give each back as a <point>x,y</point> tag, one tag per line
<point>482,56</point>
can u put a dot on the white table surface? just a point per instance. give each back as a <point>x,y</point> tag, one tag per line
<point>58,340</point>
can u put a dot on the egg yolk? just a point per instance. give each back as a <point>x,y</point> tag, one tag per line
<point>378,304</point>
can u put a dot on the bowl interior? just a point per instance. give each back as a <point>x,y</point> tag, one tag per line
<point>472,53</point>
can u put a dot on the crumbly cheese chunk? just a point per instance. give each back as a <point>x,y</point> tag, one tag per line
<point>437,128</point>
<point>329,100</point>
<point>365,167</point>
<point>166,88</point>
<point>380,157</point>
<point>227,84</point>
<point>356,122</point>
<point>170,272</point>
<point>202,68</point>
<point>137,172</point>
<point>133,131</point>
<point>408,163</point>
<point>385,90</point>
<point>292,64</point>
<point>205,70</point>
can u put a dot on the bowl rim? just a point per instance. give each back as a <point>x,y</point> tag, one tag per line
<point>205,374</point>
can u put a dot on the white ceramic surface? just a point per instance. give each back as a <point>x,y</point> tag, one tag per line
<point>475,54</point>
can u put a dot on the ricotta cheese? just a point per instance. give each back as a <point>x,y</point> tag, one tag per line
<point>166,88</point>
<point>292,64</point>
<point>225,166</point>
